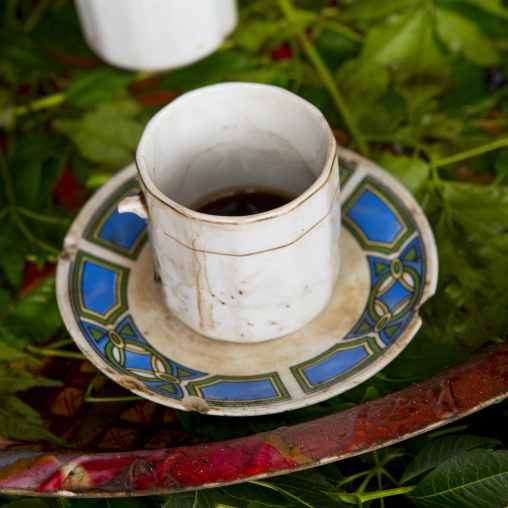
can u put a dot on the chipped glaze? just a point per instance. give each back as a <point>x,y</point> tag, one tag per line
<point>441,399</point>
<point>153,35</point>
<point>251,278</point>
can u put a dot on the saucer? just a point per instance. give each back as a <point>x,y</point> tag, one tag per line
<point>113,306</point>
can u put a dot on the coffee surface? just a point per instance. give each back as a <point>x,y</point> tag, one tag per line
<point>242,202</point>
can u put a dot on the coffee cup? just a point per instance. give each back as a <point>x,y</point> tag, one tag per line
<point>153,35</point>
<point>250,277</point>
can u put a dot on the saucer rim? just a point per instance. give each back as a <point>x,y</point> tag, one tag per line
<point>194,403</point>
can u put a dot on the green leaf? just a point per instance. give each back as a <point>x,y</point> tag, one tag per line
<point>195,499</point>
<point>365,12</point>
<point>362,85</point>
<point>33,502</point>
<point>468,88</point>
<point>86,503</point>
<point>13,251</point>
<point>303,489</point>
<point>220,66</point>
<point>30,153</point>
<point>257,33</point>
<point>108,503</point>
<point>472,239</point>
<point>412,172</point>
<point>108,134</point>
<point>461,144</point>
<point>121,503</point>
<point>13,380</point>
<point>8,353</point>
<point>406,45</point>
<point>432,126</point>
<point>7,116</point>
<point>97,85</point>
<point>468,480</point>
<point>59,31</point>
<point>395,41</point>
<point>495,7</point>
<point>335,47</point>
<point>5,301</point>
<point>252,492</point>
<point>439,450</point>
<point>464,36</point>
<point>372,393</point>
<point>38,313</point>
<point>404,41</point>
<point>22,58</point>
<point>20,421</point>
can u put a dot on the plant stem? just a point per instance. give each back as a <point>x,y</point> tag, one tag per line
<point>44,351</point>
<point>282,491</point>
<point>140,76</point>
<point>44,102</point>
<point>369,496</point>
<point>91,385</point>
<point>313,55</point>
<point>43,218</point>
<point>473,152</point>
<point>60,343</point>
<point>50,101</point>
<point>387,493</point>
<point>379,476</point>
<point>345,31</point>
<point>349,479</point>
<point>447,430</point>
<point>89,398</point>
<point>36,15</point>
<point>379,464</point>
<point>10,12</point>
<point>30,236</point>
<point>5,212</point>
<point>391,139</point>
<point>490,122</point>
<point>9,192</point>
<point>14,210</point>
<point>128,398</point>
<point>389,476</point>
<point>185,419</point>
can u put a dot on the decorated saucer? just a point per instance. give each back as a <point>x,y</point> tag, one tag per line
<point>113,307</point>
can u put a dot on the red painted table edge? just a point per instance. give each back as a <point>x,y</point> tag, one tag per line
<point>441,399</point>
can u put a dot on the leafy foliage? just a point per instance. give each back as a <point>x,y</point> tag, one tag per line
<point>20,421</point>
<point>465,479</point>
<point>420,86</point>
<point>439,450</point>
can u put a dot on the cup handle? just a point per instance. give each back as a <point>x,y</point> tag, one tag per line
<point>134,204</point>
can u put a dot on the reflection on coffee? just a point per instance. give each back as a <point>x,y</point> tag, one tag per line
<point>240,202</point>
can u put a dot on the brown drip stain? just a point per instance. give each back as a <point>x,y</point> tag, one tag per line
<point>205,310</point>
<point>198,288</point>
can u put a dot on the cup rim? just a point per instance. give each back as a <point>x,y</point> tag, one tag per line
<point>317,185</point>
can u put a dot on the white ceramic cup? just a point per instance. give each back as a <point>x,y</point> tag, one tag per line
<point>246,278</point>
<point>155,34</point>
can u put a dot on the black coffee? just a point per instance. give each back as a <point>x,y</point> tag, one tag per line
<point>242,202</point>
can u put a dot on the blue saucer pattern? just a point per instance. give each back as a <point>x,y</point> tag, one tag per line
<point>375,216</point>
<point>397,266</point>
